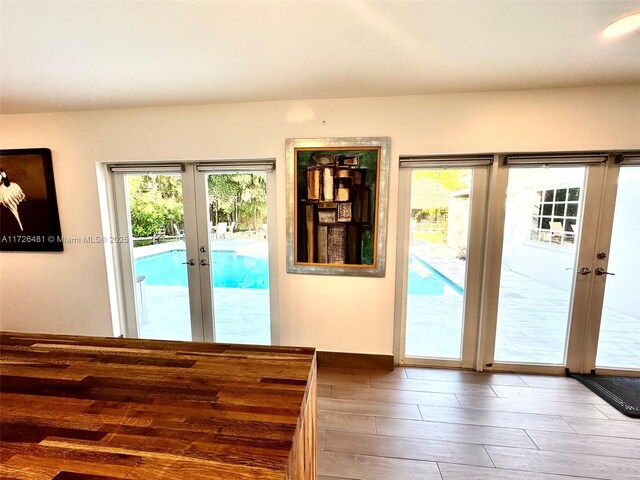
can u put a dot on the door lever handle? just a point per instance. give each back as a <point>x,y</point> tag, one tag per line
<point>601,271</point>
<point>191,262</point>
<point>204,262</point>
<point>584,271</point>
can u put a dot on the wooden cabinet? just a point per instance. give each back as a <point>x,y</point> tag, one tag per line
<point>89,407</point>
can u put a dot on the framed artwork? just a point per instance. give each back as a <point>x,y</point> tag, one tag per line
<point>29,218</point>
<point>337,196</point>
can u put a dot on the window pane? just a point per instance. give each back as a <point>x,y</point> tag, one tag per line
<point>237,205</point>
<point>561,195</point>
<point>559,210</point>
<point>548,196</point>
<point>535,283</point>
<point>572,210</point>
<point>159,253</point>
<point>569,239</point>
<point>547,209</point>
<point>440,209</point>
<point>569,225</point>
<point>619,342</point>
<point>574,194</point>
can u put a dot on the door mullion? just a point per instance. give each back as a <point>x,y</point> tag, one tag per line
<point>191,244</point>
<point>496,209</point>
<point>604,230</point>
<point>473,287</point>
<point>272,227</point>
<point>402,259</point>
<point>583,284</point>
<point>127,285</point>
<point>204,243</point>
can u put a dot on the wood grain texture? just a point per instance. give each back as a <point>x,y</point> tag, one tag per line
<point>104,408</point>
<point>355,360</point>
<point>497,432</point>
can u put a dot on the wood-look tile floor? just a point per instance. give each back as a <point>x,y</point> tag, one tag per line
<point>425,424</point>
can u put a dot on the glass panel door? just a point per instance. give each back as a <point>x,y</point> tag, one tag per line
<point>542,225</point>
<point>620,322</point>
<point>440,212</point>
<point>155,226</point>
<point>238,241</point>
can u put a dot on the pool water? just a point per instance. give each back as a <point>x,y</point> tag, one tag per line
<point>230,270</point>
<point>233,270</point>
<point>426,280</point>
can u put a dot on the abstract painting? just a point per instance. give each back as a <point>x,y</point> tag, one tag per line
<point>337,192</point>
<point>29,218</point>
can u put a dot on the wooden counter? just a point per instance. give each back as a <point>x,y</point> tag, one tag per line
<point>93,408</point>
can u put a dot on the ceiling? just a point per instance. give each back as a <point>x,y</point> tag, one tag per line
<point>59,55</point>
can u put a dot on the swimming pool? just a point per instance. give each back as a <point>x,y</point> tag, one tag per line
<point>234,270</point>
<point>230,269</point>
<point>426,280</point>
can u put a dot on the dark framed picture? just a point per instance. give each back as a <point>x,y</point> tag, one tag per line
<point>29,219</point>
<point>337,205</point>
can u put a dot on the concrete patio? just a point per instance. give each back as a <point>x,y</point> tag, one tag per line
<point>241,314</point>
<point>532,319</point>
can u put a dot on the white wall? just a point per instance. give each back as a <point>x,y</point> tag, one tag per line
<point>547,263</point>
<point>67,293</point>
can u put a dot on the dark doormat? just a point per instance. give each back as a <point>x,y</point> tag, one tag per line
<point>622,393</point>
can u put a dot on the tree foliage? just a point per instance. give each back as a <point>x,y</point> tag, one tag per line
<point>155,201</point>
<point>450,179</point>
<point>240,198</point>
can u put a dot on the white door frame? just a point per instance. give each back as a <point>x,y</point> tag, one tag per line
<point>473,274</point>
<point>196,221</point>
<point>588,290</point>
<point>602,243</point>
<point>204,242</point>
<point>488,217</point>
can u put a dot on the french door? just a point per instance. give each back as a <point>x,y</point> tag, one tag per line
<point>441,232</point>
<point>547,279</point>
<point>197,265</point>
<point>613,334</point>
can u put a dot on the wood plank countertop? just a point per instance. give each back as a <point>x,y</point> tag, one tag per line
<point>109,408</point>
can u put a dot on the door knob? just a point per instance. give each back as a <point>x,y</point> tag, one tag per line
<point>601,271</point>
<point>585,271</point>
<point>204,262</point>
<point>191,262</point>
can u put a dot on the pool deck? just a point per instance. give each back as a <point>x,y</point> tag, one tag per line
<point>531,314</point>
<point>242,246</point>
<point>242,315</point>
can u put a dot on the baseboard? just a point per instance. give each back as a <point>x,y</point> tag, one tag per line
<point>355,360</point>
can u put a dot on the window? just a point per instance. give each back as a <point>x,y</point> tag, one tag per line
<point>555,213</point>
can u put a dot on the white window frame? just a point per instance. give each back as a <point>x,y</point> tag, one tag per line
<point>474,266</point>
<point>563,218</point>
<point>580,292</point>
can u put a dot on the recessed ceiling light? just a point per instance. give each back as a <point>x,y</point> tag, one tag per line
<point>623,25</point>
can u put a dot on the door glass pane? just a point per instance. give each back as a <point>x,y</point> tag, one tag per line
<point>440,209</point>
<point>538,259</point>
<point>619,341</point>
<point>160,274</point>
<point>239,257</point>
